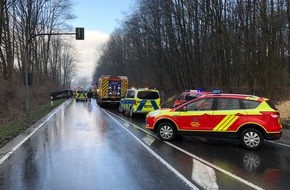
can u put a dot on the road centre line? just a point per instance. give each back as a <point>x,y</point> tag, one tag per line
<point>191,185</point>
<point>215,167</point>
<point>191,155</point>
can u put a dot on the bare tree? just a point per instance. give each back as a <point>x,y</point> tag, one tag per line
<point>234,45</point>
<point>68,66</point>
<point>20,21</point>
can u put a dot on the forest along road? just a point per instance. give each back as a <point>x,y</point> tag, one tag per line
<point>81,146</point>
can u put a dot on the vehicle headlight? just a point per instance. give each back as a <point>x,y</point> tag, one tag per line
<point>153,113</point>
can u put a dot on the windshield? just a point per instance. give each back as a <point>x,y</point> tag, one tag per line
<point>148,95</point>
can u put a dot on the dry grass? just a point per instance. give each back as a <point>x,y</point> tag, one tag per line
<point>13,118</point>
<point>284,109</point>
<point>13,97</point>
<point>11,102</point>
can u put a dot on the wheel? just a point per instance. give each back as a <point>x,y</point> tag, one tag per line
<point>166,132</point>
<point>120,109</point>
<point>131,112</point>
<point>251,139</point>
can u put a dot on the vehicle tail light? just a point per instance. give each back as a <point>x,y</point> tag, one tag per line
<point>272,114</point>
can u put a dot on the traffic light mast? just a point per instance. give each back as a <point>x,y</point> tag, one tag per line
<point>80,35</point>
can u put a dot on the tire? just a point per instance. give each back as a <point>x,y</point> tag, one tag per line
<point>131,113</point>
<point>166,132</point>
<point>251,139</point>
<point>120,109</point>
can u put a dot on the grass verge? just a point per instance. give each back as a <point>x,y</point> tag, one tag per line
<point>285,123</point>
<point>13,128</point>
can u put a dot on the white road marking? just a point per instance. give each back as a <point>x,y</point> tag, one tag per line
<point>191,185</point>
<point>279,143</point>
<point>126,124</point>
<point>204,175</point>
<point>215,167</point>
<point>8,154</point>
<point>148,139</point>
<point>194,156</point>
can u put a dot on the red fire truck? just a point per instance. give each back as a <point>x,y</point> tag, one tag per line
<point>110,89</point>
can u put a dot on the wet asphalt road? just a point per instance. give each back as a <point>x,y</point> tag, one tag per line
<point>81,147</point>
<point>85,147</point>
<point>224,164</point>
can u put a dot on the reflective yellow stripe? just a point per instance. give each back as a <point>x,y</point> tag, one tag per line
<point>105,87</point>
<point>124,87</point>
<point>221,123</point>
<point>226,123</point>
<point>230,122</point>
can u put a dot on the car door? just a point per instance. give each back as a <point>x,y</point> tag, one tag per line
<point>196,115</point>
<point>227,114</point>
<point>128,100</point>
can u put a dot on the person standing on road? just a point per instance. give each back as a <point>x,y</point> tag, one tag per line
<point>90,95</point>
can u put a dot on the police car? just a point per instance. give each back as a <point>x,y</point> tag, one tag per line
<point>248,118</point>
<point>81,95</point>
<point>140,100</point>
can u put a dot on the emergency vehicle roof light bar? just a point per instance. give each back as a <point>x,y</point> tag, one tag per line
<point>123,77</point>
<point>217,91</point>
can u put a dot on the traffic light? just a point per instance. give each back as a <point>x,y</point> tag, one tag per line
<point>80,33</point>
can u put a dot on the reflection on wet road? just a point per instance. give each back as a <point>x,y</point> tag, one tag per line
<point>266,168</point>
<point>85,147</point>
<point>81,147</point>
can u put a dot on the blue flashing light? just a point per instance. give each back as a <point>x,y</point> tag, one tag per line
<point>199,90</point>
